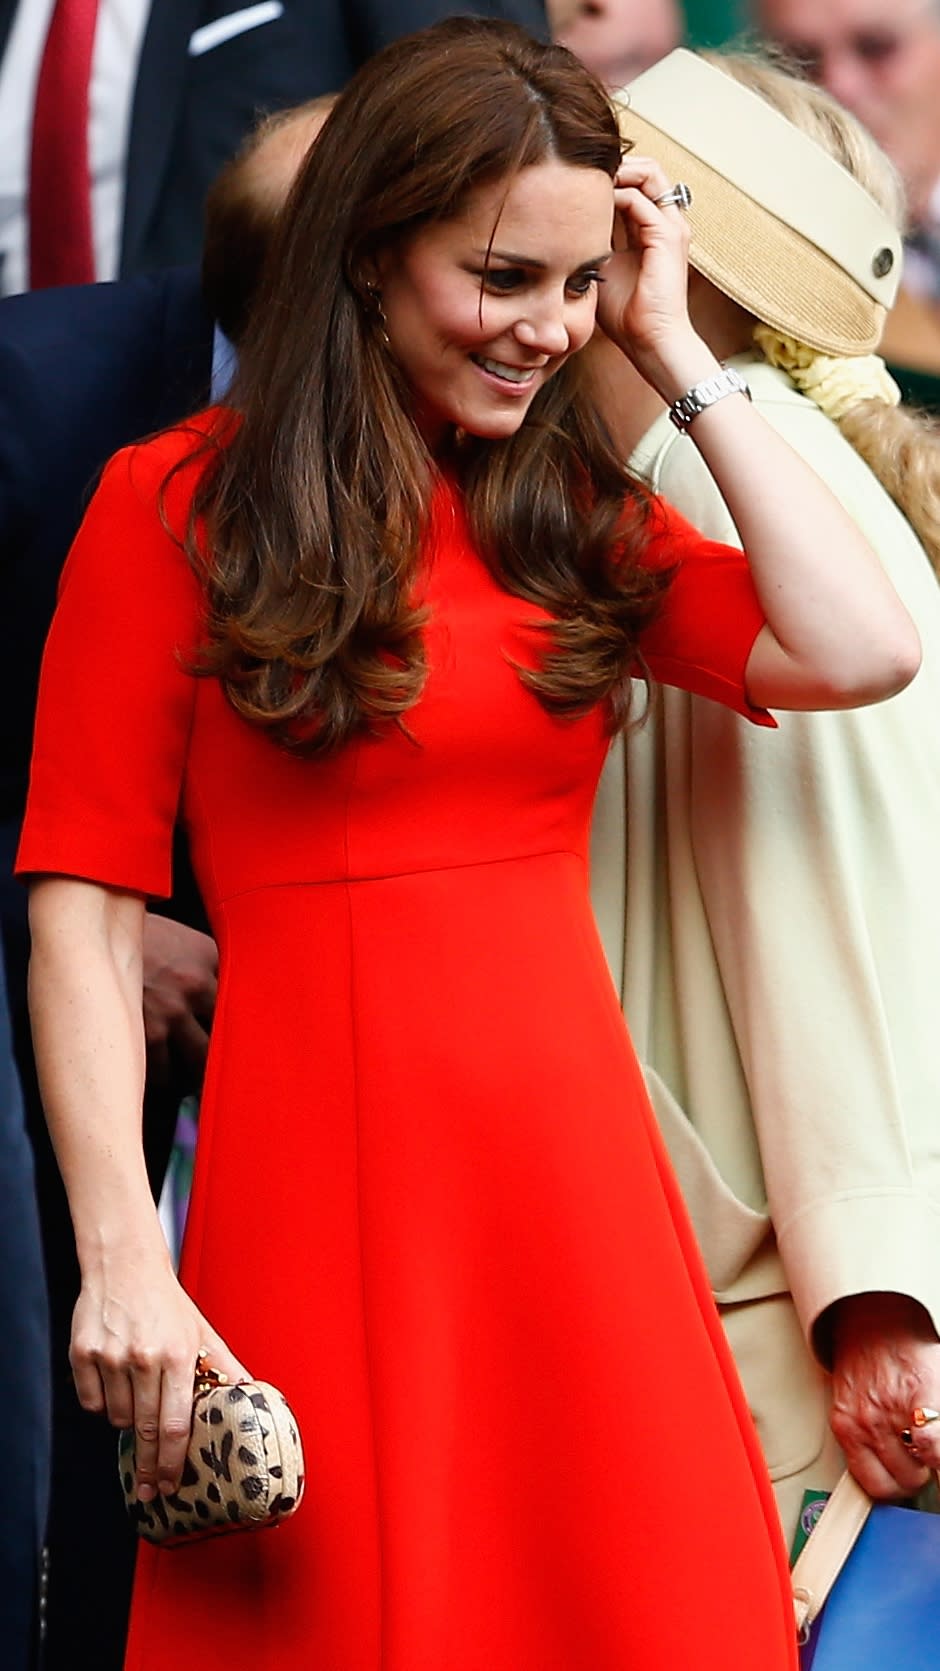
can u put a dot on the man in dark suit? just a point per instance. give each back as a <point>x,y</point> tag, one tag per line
<point>83,371</point>
<point>204,70</point>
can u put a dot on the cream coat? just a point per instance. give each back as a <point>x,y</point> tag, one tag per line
<point>770,908</point>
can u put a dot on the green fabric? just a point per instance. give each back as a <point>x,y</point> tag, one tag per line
<point>918,388</point>
<point>712,22</point>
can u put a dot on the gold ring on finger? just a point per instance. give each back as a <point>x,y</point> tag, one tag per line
<point>207,1377</point>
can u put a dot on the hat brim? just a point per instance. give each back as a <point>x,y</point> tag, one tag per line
<point>761,263</point>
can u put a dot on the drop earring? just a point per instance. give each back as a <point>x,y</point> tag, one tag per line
<point>375,296</point>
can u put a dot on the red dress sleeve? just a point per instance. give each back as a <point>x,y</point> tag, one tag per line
<point>711,615</point>
<point>116,697</point>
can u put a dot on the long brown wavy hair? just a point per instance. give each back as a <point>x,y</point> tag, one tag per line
<point>314,505</point>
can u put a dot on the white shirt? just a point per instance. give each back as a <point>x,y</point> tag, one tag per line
<point>224,365</point>
<point>119,37</point>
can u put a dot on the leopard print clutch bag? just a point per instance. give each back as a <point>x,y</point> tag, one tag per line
<point>244,1468</point>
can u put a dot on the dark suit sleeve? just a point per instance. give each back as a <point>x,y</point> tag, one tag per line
<point>373,23</point>
<point>83,371</point>
<point>20,426</point>
<point>31,499</point>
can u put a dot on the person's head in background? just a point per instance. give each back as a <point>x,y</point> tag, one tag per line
<point>759,283</point>
<point>243,204</point>
<point>617,39</point>
<point>879,58</point>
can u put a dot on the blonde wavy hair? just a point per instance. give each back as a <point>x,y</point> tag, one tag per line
<point>901,446</point>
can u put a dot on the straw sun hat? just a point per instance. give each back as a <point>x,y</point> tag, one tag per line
<point>777,224</point>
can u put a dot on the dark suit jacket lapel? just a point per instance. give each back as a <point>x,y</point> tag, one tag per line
<point>161,78</point>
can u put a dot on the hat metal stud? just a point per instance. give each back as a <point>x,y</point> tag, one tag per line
<point>882,262</point>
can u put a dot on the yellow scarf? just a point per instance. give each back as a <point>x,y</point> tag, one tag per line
<point>835,385</point>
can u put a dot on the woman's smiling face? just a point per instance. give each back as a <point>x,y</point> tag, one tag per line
<point>477,334</point>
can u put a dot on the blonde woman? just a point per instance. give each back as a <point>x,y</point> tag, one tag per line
<point>771,913</point>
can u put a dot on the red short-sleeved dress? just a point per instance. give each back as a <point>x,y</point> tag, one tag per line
<point>430,1200</point>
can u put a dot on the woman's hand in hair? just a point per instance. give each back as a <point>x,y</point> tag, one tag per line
<point>643,302</point>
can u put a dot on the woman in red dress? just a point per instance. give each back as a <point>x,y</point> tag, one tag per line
<point>368,633</point>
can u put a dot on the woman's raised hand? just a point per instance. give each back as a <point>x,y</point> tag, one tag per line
<point>136,1335</point>
<point>643,302</point>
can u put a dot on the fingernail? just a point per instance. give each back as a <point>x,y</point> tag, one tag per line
<point>145,1493</point>
<point>167,1488</point>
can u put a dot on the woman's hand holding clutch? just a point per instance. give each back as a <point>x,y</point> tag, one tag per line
<point>136,1336</point>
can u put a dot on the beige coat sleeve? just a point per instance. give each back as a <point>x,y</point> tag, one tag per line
<point>815,853</point>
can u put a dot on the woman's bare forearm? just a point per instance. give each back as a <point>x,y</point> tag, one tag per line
<point>135,1332</point>
<point>840,634</point>
<point>86,1010</point>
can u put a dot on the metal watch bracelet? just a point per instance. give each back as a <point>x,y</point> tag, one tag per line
<point>705,394</point>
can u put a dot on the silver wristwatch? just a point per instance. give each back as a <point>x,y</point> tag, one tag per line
<point>705,394</point>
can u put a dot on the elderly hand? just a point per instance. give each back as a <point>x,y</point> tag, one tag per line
<point>886,1363</point>
<point>181,969</point>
